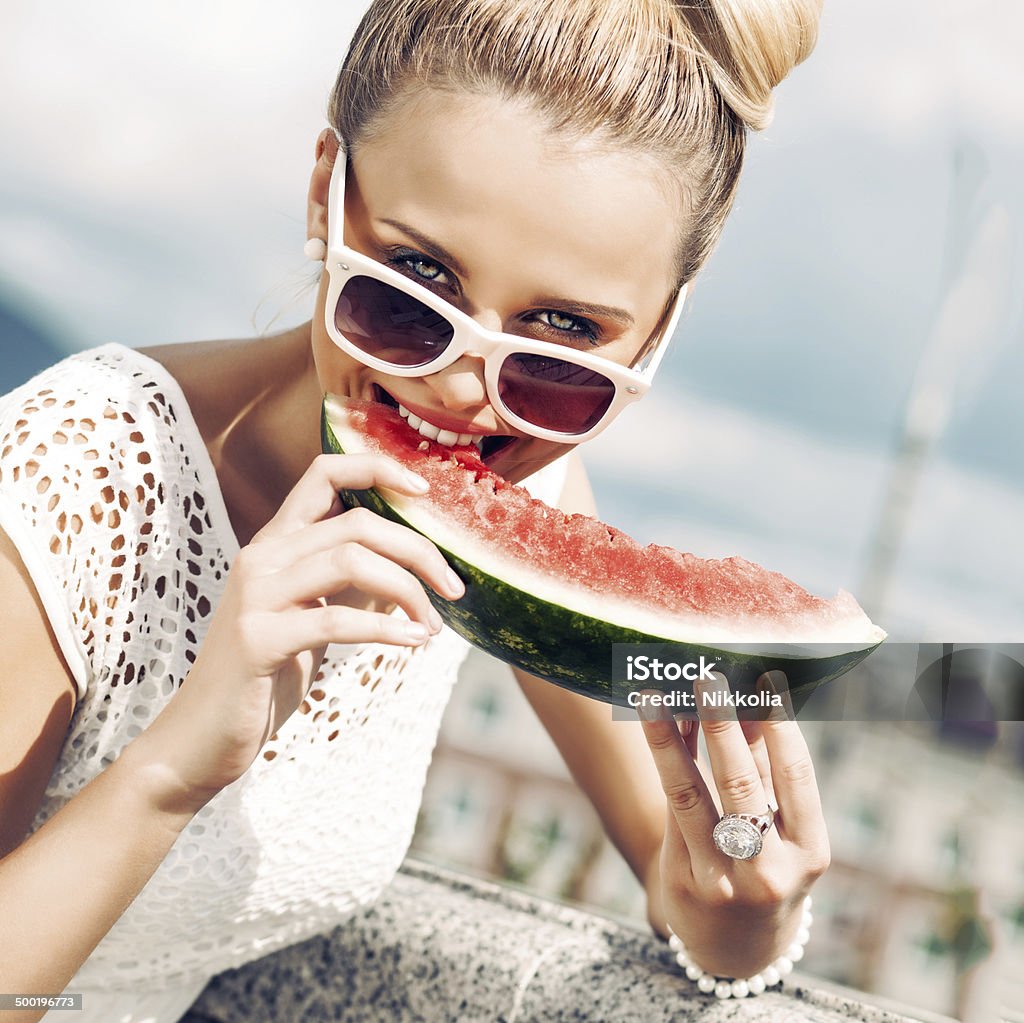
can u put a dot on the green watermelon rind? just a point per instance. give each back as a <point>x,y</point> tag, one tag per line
<point>570,648</point>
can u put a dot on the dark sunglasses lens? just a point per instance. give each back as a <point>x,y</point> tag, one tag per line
<point>390,325</point>
<point>554,394</point>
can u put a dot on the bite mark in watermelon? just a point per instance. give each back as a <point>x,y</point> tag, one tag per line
<point>550,592</point>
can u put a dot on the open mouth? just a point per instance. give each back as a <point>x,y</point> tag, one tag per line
<point>488,445</point>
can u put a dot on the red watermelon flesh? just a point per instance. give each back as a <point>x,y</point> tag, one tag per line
<point>579,560</point>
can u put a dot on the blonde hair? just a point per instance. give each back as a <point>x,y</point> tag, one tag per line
<point>682,82</point>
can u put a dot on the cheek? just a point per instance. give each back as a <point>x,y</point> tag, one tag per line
<point>526,456</point>
<point>337,372</point>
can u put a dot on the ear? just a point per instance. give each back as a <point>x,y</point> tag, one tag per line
<point>320,184</point>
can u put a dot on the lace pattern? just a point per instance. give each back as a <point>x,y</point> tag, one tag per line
<point>107,490</point>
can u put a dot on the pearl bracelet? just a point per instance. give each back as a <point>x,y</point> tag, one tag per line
<point>729,987</point>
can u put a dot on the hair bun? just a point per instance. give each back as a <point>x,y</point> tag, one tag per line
<point>751,46</point>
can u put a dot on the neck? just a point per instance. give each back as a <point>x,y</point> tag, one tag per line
<point>274,433</point>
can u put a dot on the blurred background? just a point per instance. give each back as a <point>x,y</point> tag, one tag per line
<point>841,402</point>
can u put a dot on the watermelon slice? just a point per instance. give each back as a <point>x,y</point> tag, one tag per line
<point>551,593</point>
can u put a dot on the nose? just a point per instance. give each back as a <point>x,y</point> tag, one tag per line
<point>460,387</point>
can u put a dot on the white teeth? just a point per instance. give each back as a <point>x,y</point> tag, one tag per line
<point>449,438</point>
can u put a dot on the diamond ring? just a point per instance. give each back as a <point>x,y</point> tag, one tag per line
<point>741,835</point>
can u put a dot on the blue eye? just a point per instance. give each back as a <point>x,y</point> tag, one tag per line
<point>419,268</point>
<point>424,268</point>
<point>565,324</point>
<point>561,321</point>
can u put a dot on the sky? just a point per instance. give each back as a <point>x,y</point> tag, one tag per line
<point>152,190</point>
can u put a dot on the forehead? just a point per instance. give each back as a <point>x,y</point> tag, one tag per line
<point>487,179</point>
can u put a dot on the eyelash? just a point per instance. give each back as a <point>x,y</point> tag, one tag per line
<point>402,260</point>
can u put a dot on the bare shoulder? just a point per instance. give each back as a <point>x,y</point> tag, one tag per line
<point>191,362</point>
<point>211,374</point>
<point>37,698</point>
<point>194,356</point>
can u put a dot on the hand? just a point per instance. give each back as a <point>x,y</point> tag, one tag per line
<point>304,581</point>
<point>735,916</point>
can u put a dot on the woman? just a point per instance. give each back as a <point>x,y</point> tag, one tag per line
<point>227,689</point>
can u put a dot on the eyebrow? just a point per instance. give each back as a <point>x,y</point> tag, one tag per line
<point>429,246</point>
<point>601,312</point>
<point>439,252</point>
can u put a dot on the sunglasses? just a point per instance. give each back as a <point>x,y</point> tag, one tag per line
<point>391,323</point>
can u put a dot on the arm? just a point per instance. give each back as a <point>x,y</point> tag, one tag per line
<point>622,782</point>
<point>65,886</point>
<point>611,763</point>
<point>659,806</point>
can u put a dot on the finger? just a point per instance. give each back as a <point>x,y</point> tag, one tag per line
<point>349,566</point>
<point>360,525</point>
<point>709,780</point>
<point>732,764</point>
<point>689,729</point>
<point>689,800</point>
<point>755,743</point>
<point>315,496</point>
<point>776,683</point>
<point>292,632</point>
<point>753,731</point>
<point>796,788</point>
<point>677,862</point>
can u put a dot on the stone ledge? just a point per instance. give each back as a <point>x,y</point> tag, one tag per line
<point>441,945</point>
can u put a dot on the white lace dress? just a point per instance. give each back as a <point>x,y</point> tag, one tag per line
<point>109,495</point>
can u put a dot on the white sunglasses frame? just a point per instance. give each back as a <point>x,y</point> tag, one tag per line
<point>470,338</point>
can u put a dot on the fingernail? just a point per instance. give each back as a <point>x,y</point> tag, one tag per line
<point>435,620</point>
<point>777,684</point>
<point>416,482</point>
<point>652,710</point>
<point>685,727</point>
<point>455,586</point>
<point>416,632</point>
<point>712,684</point>
<point>712,704</point>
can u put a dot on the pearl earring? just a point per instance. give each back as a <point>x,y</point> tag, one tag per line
<point>315,249</point>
